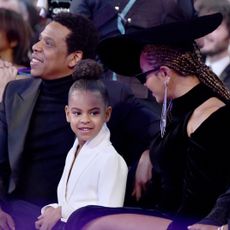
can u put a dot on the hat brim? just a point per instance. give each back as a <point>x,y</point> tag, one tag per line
<point>121,53</point>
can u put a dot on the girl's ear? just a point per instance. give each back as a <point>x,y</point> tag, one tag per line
<point>67,113</point>
<point>74,58</point>
<point>108,113</point>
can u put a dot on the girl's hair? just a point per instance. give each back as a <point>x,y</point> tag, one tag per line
<point>87,75</point>
<point>16,30</point>
<point>186,60</point>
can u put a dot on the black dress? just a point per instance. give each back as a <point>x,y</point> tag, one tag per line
<point>189,173</point>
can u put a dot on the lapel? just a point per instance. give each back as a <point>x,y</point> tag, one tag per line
<point>225,74</point>
<point>22,105</point>
<point>85,157</point>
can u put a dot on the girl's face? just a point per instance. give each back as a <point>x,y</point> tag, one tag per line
<point>86,113</point>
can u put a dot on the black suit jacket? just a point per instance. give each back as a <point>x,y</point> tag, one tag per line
<point>132,125</point>
<point>225,76</point>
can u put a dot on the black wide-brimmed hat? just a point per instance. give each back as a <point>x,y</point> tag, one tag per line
<point>121,53</point>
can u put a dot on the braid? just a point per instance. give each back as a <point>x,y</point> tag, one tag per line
<point>186,61</point>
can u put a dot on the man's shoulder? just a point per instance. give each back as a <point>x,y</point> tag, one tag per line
<point>21,83</point>
<point>20,87</point>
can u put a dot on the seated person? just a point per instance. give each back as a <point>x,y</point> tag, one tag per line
<point>14,45</point>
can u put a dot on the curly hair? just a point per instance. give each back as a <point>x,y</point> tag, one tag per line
<point>87,75</point>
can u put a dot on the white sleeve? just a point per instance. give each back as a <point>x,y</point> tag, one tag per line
<point>54,205</point>
<point>112,181</point>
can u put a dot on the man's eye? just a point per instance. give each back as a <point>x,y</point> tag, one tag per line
<point>48,43</point>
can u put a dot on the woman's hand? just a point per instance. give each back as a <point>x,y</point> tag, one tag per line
<point>143,175</point>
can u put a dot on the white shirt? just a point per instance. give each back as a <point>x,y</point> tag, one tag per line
<point>218,66</point>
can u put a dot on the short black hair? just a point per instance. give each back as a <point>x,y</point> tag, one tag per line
<point>84,35</point>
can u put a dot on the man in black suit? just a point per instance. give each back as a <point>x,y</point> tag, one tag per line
<point>35,136</point>
<point>215,46</point>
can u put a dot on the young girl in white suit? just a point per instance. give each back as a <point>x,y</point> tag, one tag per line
<point>94,173</point>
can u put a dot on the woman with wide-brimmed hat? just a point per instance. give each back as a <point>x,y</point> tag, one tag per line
<point>190,155</point>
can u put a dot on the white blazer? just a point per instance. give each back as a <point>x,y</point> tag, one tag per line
<point>98,176</point>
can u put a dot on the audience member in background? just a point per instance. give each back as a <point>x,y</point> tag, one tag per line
<point>190,155</point>
<point>14,44</point>
<point>94,172</point>
<point>8,72</point>
<point>36,22</point>
<point>15,38</point>
<point>30,14</point>
<point>35,136</point>
<point>215,46</point>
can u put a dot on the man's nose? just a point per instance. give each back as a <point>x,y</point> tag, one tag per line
<point>37,46</point>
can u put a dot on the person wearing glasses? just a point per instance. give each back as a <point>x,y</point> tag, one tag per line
<point>190,155</point>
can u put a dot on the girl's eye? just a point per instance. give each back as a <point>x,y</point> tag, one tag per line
<point>76,113</point>
<point>94,113</point>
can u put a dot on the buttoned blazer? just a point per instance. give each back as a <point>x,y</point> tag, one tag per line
<point>98,176</point>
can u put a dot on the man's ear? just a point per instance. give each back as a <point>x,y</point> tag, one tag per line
<point>74,58</point>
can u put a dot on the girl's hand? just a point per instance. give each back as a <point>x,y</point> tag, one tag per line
<point>47,220</point>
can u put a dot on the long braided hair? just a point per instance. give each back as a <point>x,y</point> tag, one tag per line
<point>186,60</point>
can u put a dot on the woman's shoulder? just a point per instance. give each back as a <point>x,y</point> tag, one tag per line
<point>204,111</point>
